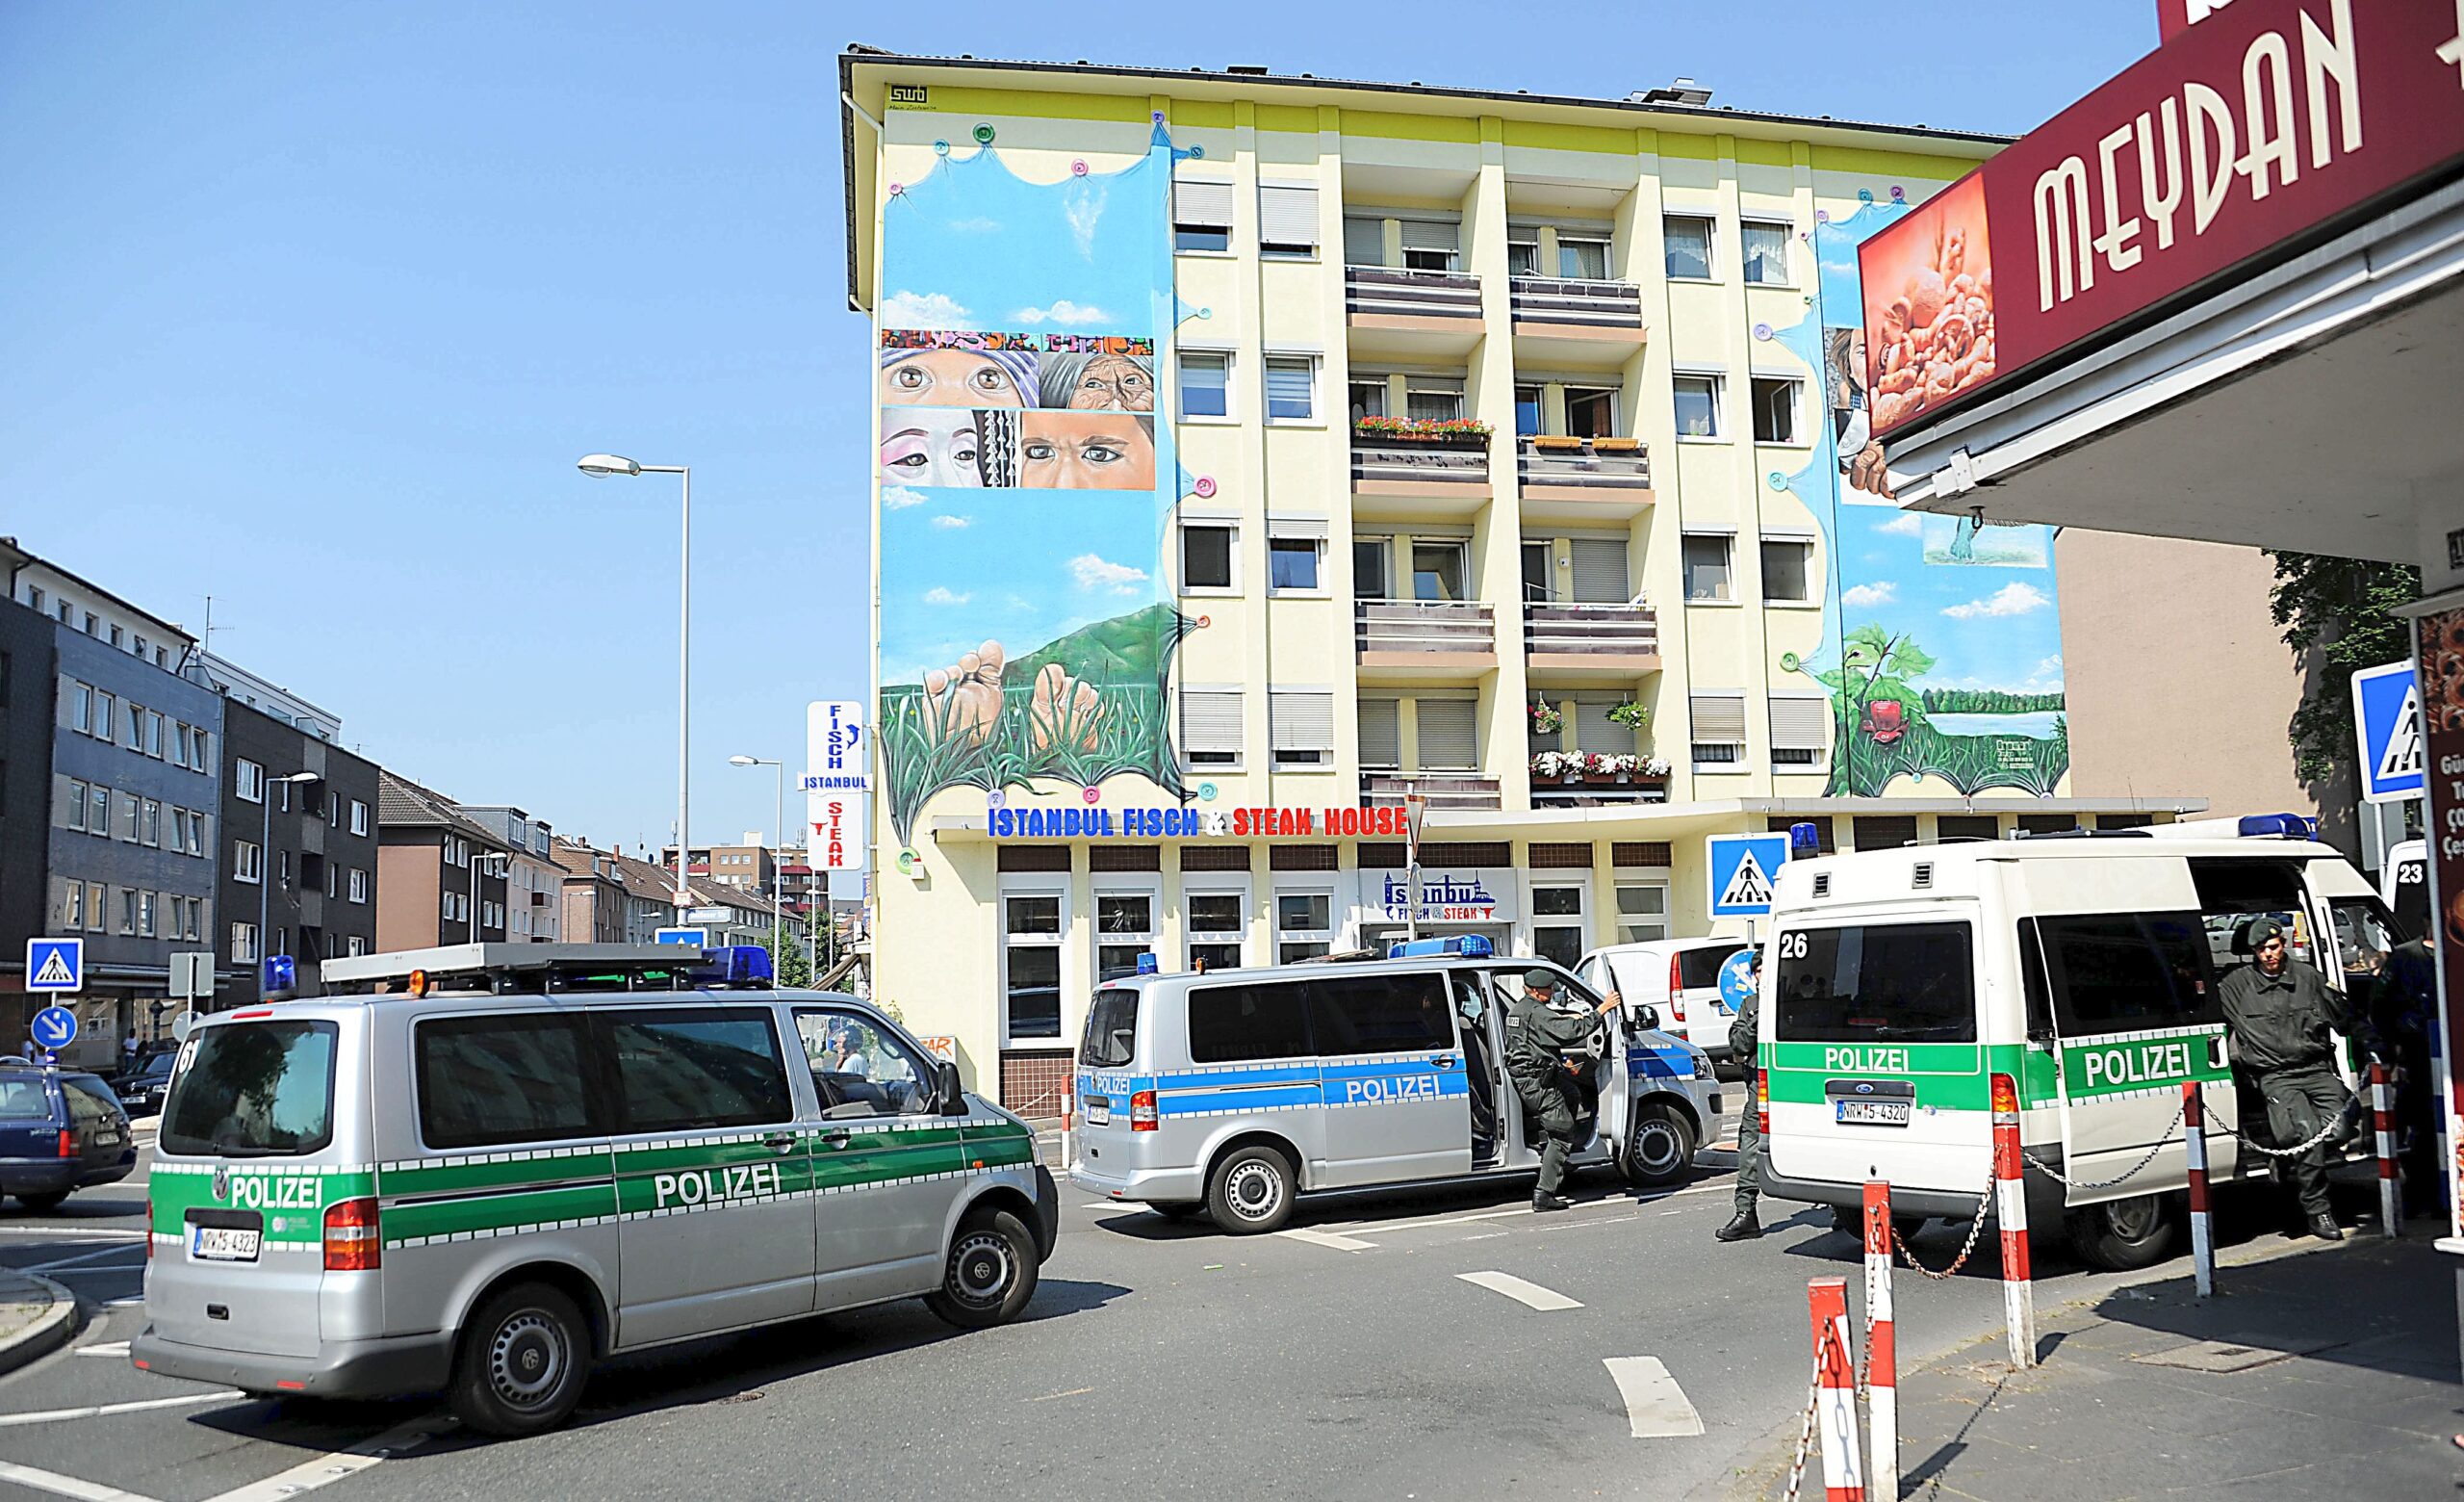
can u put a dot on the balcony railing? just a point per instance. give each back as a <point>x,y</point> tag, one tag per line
<point>1456,461</point>
<point>1431,627</point>
<point>1380,290</point>
<point>1443,789</point>
<point>1606,631</point>
<point>1568,300</point>
<point>1585,463</point>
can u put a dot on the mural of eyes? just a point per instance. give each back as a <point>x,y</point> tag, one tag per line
<point>990,380</point>
<point>1085,450</point>
<point>956,377</point>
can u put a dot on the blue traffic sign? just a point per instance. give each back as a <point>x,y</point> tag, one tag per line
<point>1742,869</point>
<point>55,965</point>
<point>2387,715</point>
<point>1736,978</point>
<point>698,937</point>
<point>55,1028</point>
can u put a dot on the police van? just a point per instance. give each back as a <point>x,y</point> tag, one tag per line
<point>494,1164</point>
<point>1906,990</point>
<point>1233,1092</point>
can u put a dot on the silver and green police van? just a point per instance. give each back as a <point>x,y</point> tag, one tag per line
<point>1230,1092</point>
<point>1905,989</point>
<point>494,1164</point>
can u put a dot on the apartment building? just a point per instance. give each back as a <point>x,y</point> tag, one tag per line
<point>749,864</point>
<point>442,874</point>
<point>264,695</point>
<point>591,895</point>
<point>298,857</point>
<point>534,879</point>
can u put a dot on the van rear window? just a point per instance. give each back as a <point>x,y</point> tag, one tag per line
<point>254,1090</point>
<point>1699,970</point>
<point>1876,983</point>
<point>1111,1040</point>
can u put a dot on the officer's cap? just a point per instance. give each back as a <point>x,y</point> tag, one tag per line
<point>2265,929</point>
<point>1539,980</point>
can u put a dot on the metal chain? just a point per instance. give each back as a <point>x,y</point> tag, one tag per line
<point>2334,1122</point>
<point>2158,1145</point>
<point>1865,1354</point>
<point>1975,1227</point>
<point>1814,1405</point>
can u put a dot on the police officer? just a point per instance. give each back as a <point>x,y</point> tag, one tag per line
<point>1742,1031</point>
<point>2280,1012</point>
<point>1534,1032</point>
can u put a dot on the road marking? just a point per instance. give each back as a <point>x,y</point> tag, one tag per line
<point>1328,1239</point>
<point>1655,1406</point>
<point>107,1348</point>
<point>325,1470</point>
<point>1073,1392</point>
<point>73,1233</point>
<point>1521,1292</point>
<point>66,1485</point>
<point>107,1409</point>
<point>82,1257</point>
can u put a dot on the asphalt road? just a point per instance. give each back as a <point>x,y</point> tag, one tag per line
<point>1350,1357</point>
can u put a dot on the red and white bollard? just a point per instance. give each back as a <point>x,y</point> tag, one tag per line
<point>1068,1120</point>
<point>2382,1117</point>
<point>2010,1210</point>
<point>2202,1227</point>
<point>1881,1356</point>
<point>1836,1377</point>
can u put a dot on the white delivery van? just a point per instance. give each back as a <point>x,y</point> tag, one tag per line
<point>1679,977</point>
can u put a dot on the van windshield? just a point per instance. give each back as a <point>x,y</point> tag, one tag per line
<point>1874,983</point>
<point>1112,1029</point>
<point>254,1090</point>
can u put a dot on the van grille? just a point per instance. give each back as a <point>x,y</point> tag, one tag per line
<point>1822,884</point>
<point>1924,877</point>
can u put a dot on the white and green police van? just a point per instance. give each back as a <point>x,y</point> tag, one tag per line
<point>496,1163</point>
<point>1903,988</point>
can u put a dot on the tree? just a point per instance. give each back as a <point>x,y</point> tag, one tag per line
<point>2341,610</point>
<point>790,965</point>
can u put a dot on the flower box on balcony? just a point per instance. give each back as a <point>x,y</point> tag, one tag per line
<point>1591,768</point>
<point>1616,445</point>
<point>1448,432</point>
<point>1556,443</point>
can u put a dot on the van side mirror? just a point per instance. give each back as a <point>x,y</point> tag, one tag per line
<point>947,1089</point>
<point>1648,1014</point>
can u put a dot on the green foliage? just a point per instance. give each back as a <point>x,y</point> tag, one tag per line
<point>1989,701</point>
<point>2342,609</point>
<point>791,964</point>
<point>1862,768</point>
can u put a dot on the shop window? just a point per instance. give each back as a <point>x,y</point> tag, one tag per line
<point>1031,964</point>
<point>1214,925</point>
<point>1304,924</point>
<point>1557,924</point>
<point>1642,911</point>
<point>1125,931</point>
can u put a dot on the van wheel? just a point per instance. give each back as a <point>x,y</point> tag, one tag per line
<point>990,1273</point>
<point>1250,1191</point>
<point>45,1204</point>
<point>2122,1235</point>
<point>1661,1150</point>
<point>523,1359</point>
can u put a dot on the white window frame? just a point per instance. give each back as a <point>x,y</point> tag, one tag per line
<point>1284,251</point>
<point>1625,884</point>
<point>1181,557</point>
<point>1581,922</point>
<point>358,816</point>
<point>1719,383</point>
<point>78,791</point>
<point>1812,599</point>
<point>1231,215</point>
<point>1313,533</point>
<point>243,944</point>
<point>1230,417</point>
<point>358,884</point>
<point>1787,248</point>
<point>249,782</point>
<point>1710,246</point>
<point>1316,417</point>
<point>1327,937</point>
<point>1054,885</point>
<point>1693,746</point>
<point>1606,240</point>
<point>1120,884</point>
<point>1797,427</point>
<point>1326,753</point>
<point>1239,753</point>
<point>247,863</point>
<point>1728,540</point>
<point>355,946</point>
<point>1821,762</point>
<point>1242,890</point>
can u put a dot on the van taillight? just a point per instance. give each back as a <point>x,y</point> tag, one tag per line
<point>1141,1112</point>
<point>67,1143</point>
<point>1763,1099</point>
<point>1676,990</point>
<point>351,1244</point>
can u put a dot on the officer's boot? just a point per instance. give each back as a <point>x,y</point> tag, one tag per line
<point>2323,1225</point>
<point>1543,1200</point>
<point>1744,1227</point>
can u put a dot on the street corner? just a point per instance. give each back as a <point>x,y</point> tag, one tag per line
<point>36,1317</point>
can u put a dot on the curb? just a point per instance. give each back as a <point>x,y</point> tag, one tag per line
<point>50,1330</point>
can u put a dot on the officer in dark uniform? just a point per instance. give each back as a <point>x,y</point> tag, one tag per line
<point>1534,1032</point>
<point>1742,1031</point>
<point>2280,1012</point>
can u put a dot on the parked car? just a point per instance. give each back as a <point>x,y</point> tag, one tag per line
<point>143,1088</point>
<point>60,1130</point>
<point>1680,978</point>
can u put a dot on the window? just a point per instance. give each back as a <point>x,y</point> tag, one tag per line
<point>128,817</point>
<point>1435,399</point>
<point>1215,924</point>
<point>149,827</point>
<point>136,722</point>
<point>1358,1015</point>
<point>248,862</point>
<point>1799,730</point>
<point>1293,563</point>
<point>1787,570</point>
<point>94,624</point>
<point>697,1070</point>
<point>1596,732</point>
<point>1367,397</point>
<point>1706,557</point>
<point>1125,931</point>
<point>1766,251</point>
<point>1556,924</point>
<point>1539,573</point>
<point>1110,1039</point>
<point>1292,388</point>
<point>1698,407</point>
<point>248,781</point>
<point>488,1081</point>
<point>154,735</point>
<point>1381,741</point>
<point>33,599</point>
<point>116,636</point>
<point>856,1063</point>
<point>1876,983</point>
<point>1441,571</point>
<point>1368,556</point>
<point>1288,220</point>
<point>1591,411</point>
<point>1688,241</point>
<point>1581,258</point>
<point>1364,240</point>
<point>358,886</point>
<point>76,806</point>
<point>1201,215</point>
<point>95,895</point>
<point>1450,736</point>
<point>1206,555</point>
<point>1527,411</point>
<point>1775,409</point>
<point>1211,728</point>
<point>193,923</point>
<point>1597,566</point>
<point>100,822</point>
<point>204,750</point>
<point>73,910</point>
<point>1642,911</point>
<point>1718,732</point>
<point>1032,960</point>
<point>355,946</point>
<point>1206,384</point>
<point>1522,251</point>
<point>1301,727</point>
<point>145,915</point>
<point>457,851</point>
<point>1431,244</point>
<point>106,716</point>
<point>2117,972</point>
<point>1304,925</point>
<point>358,818</point>
<point>1233,1025</point>
<point>194,841</point>
<point>260,1091</point>
<point>81,708</point>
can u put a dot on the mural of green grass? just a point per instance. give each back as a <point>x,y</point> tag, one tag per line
<point>1989,701</point>
<point>1863,767</point>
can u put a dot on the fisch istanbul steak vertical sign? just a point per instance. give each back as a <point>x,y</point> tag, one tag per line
<point>2265,119</point>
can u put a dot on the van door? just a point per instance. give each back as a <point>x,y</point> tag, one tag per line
<point>885,1166</point>
<point>1398,1102</point>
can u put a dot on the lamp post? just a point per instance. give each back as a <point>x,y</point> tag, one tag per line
<point>778,924</point>
<point>600,466</point>
<point>264,868</point>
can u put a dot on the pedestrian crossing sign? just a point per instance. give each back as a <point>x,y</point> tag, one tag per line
<point>55,965</point>
<point>2387,715</point>
<point>1743,868</point>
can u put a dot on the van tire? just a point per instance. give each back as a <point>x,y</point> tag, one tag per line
<point>45,1202</point>
<point>1252,1191</point>
<point>989,1274</point>
<point>1660,1150</point>
<point>523,1359</point>
<point>2122,1235</point>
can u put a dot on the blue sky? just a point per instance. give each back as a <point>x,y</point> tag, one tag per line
<point>311,309</point>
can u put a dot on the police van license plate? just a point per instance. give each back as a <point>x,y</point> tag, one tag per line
<point>1099,1111</point>
<point>1873,1113</point>
<point>222,1244</point>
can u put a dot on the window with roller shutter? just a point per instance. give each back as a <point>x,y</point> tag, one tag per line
<point>1287,219</point>
<point>1381,740</point>
<point>1300,726</point>
<point>1598,571</point>
<point>1450,736</point>
<point>1597,733</point>
<point>1800,731</point>
<point>1201,215</point>
<point>1211,728</point>
<point>1718,731</point>
<point>1364,240</point>
<point>1431,244</point>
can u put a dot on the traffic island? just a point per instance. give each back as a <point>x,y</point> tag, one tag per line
<point>36,1317</point>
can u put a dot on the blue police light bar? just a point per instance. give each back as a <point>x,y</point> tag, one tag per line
<point>282,973</point>
<point>1146,963</point>
<point>1804,839</point>
<point>2281,826</point>
<point>734,965</point>
<point>1471,946</point>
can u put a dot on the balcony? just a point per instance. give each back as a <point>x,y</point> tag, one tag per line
<point>1590,643</point>
<point>1443,789</point>
<point>1567,478</point>
<point>1564,319</point>
<point>1423,640</point>
<point>1412,314</point>
<point>1419,478</point>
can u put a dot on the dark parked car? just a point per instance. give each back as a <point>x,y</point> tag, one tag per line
<point>143,1088</point>
<point>59,1131</point>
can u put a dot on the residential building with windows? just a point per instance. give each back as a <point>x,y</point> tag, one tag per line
<point>442,874</point>
<point>592,895</point>
<point>749,864</point>
<point>534,880</point>
<point>80,605</point>
<point>28,697</point>
<point>1508,450</point>
<point>748,916</point>
<point>298,864</point>
<point>264,695</point>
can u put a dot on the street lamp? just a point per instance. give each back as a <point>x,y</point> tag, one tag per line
<point>265,870</point>
<point>600,466</point>
<point>777,924</point>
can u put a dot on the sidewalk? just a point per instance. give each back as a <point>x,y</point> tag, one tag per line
<point>36,1316</point>
<point>2329,1373</point>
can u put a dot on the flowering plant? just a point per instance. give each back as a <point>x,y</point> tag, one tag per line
<point>1421,429</point>
<point>1595,763</point>
<point>1546,719</point>
<point>1629,713</point>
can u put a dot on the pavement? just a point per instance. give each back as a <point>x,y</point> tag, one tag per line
<point>37,1316</point>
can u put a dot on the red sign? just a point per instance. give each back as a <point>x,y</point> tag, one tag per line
<point>2265,120</point>
<point>2176,16</point>
<point>2441,657</point>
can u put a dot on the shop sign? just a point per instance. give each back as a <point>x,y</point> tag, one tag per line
<point>1474,897</point>
<point>2440,651</point>
<point>836,784</point>
<point>1103,821</point>
<point>2260,124</point>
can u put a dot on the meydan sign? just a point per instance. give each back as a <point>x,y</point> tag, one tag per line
<point>1447,896</point>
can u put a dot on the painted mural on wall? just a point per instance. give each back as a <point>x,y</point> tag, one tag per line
<point>1025,483</point>
<point>1942,650</point>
